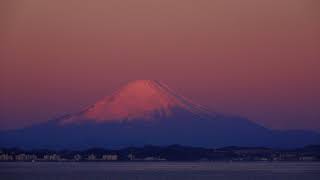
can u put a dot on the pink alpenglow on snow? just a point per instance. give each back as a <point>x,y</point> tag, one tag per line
<point>138,100</point>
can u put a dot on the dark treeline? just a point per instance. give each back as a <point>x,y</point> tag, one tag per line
<point>167,153</point>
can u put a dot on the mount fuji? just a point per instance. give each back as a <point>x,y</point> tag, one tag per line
<point>149,112</point>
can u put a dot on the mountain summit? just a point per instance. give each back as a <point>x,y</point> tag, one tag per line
<point>138,100</point>
<point>148,112</point>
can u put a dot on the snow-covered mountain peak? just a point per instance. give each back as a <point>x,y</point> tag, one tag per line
<point>137,100</point>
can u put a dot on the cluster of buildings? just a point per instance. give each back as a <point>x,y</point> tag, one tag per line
<point>243,156</point>
<point>77,157</point>
<point>93,157</point>
<point>270,155</point>
<point>18,157</point>
<point>56,157</point>
<point>6,157</point>
<point>52,157</point>
<point>170,153</point>
<point>132,157</point>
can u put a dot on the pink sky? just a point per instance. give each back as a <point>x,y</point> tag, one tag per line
<point>258,59</point>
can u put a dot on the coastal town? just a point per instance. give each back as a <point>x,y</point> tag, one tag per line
<point>168,153</point>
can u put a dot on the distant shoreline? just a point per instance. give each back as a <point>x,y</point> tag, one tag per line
<point>173,153</point>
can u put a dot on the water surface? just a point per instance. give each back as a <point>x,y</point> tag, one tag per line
<point>159,171</point>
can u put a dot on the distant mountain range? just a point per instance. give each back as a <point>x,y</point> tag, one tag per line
<point>149,112</point>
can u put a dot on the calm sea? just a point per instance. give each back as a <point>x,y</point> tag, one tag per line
<point>159,171</point>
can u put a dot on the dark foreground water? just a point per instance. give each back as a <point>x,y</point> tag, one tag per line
<point>159,171</point>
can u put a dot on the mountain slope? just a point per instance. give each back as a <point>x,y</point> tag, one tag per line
<point>148,112</point>
<point>142,99</point>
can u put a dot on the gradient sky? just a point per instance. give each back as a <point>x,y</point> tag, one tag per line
<point>255,58</point>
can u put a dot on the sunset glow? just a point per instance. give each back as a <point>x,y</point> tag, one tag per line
<point>258,59</point>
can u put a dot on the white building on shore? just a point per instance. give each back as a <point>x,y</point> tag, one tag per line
<point>110,157</point>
